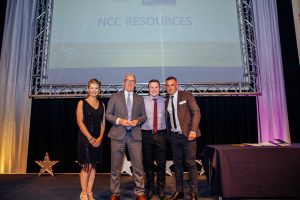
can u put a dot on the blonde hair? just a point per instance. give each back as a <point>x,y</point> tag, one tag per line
<point>94,81</point>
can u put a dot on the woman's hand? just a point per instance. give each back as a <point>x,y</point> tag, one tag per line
<point>97,143</point>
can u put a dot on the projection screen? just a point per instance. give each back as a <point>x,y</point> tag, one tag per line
<point>194,40</point>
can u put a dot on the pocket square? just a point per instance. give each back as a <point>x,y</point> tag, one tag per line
<point>182,102</point>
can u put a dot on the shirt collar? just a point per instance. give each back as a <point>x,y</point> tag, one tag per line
<point>126,93</point>
<point>175,94</point>
<point>153,97</point>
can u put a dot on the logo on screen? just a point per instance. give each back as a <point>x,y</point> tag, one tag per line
<point>159,2</point>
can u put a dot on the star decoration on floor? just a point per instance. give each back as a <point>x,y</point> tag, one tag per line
<point>126,166</point>
<point>202,171</point>
<point>169,163</point>
<point>46,165</point>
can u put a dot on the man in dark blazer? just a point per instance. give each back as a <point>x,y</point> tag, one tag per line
<point>183,118</point>
<point>126,112</point>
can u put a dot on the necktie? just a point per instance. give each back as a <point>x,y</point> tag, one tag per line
<point>128,104</point>
<point>155,116</point>
<point>173,112</point>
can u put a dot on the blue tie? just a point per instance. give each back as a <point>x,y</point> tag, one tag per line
<point>129,107</point>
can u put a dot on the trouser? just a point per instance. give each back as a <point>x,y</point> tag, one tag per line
<point>154,149</point>
<point>184,151</point>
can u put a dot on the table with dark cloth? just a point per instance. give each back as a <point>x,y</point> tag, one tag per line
<point>253,171</point>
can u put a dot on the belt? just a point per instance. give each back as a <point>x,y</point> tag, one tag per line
<point>152,131</point>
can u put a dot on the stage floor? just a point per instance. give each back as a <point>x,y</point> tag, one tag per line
<point>67,186</point>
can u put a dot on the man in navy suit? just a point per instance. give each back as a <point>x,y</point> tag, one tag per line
<point>126,112</point>
<point>182,117</point>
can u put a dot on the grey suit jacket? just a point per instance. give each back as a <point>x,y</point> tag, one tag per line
<point>116,108</point>
<point>188,113</point>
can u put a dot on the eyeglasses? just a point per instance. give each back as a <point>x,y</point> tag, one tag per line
<point>129,81</point>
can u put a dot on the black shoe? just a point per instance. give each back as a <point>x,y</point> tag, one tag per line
<point>176,195</point>
<point>194,196</point>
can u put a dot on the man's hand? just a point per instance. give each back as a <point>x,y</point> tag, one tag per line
<point>124,122</point>
<point>133,123</point>
<point>192,136</point>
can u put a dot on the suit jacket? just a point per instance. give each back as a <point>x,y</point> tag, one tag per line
<point>188,113</point>
<point>116,108</point>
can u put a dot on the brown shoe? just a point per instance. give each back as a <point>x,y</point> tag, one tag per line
<point>114,197</point>
<point>141,197</point>
<point>176,195</point>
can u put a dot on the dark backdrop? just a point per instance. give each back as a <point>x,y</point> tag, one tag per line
<point>291,66</point>
<point>2,20</point>
<point>54,130</point>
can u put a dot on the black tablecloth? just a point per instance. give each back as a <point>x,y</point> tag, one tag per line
<point>253,171</point>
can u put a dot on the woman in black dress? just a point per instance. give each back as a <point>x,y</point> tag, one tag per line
<point>90,116</point>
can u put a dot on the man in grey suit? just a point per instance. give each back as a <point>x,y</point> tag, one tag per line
<point>126,112</point>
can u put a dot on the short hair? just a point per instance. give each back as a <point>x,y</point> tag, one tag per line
<point>153,81</point>
<point>94,81</point>
<point>171,78</point>
<point>130,74</point>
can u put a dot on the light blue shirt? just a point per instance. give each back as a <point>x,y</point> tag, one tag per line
<point>149,107</point>
<point>130,96</point>
<point>131,99</point>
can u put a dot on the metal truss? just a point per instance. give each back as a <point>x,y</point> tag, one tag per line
<point>249,87</point>
<point>38,77</point>
<point>248,44</point>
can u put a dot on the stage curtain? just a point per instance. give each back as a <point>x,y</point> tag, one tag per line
<point>15,105</point>
<point>271,105</point>
<point>224,120</point>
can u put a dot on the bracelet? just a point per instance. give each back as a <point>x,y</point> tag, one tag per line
<point>90,139</point>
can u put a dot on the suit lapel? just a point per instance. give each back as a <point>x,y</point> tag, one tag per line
<point>123,98</point>
<point>178,99</point>
<point>123,101</point>
<point>167,102</point>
